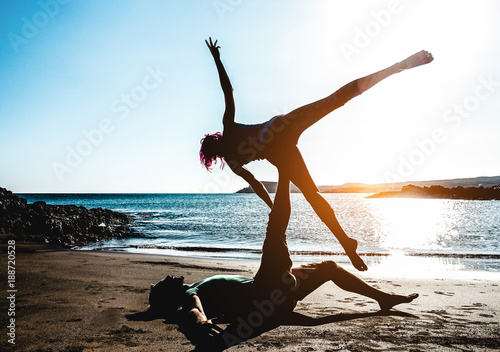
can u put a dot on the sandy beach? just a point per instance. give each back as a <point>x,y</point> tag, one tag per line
<point>75,301</point>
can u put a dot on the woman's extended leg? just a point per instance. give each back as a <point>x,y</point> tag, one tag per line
<point>302,118</point>
<point>293,164</point>
<point>311,276</point>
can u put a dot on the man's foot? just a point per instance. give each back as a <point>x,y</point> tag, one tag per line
<point>391,300</point>
<point>421,58</point>
<point>350,246</point>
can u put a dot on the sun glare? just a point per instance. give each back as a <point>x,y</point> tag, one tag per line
<point>411,223</point>
<point>358,42</point>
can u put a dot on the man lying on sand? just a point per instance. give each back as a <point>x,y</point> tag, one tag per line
<point>248,303</point>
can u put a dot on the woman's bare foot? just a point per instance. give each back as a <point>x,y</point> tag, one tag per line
<point>421,58</point>
<point>390,301</point>
<point>350,246</point>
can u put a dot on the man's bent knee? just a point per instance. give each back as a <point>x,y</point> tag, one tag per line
<point>328,265</point>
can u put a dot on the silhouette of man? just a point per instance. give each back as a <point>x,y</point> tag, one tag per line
<point>249,303</point>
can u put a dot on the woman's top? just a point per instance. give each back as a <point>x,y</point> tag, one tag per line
<point>246,143</point>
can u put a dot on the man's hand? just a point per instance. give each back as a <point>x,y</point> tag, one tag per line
<point>214,49</point>
<point>199,333</point>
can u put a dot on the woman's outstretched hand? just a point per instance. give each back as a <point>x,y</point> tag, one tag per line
<point>214,49</point>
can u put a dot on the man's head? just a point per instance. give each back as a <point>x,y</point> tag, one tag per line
<point>166,296</point>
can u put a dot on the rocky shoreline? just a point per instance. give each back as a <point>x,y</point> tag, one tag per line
<point>62,225</point>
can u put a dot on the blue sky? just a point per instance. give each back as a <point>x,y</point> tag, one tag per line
<point>114,96</point>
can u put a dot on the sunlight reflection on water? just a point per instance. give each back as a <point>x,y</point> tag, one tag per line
<point>408,236</point>
<point>410,223</point>
<point>411,267</point>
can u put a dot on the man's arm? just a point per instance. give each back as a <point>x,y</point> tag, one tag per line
<point>256,185</point>
<point>225,83</point>
<point>194,310</point>
<point>195,324</point>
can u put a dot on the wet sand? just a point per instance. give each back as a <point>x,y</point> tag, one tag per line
<point>76,301</point>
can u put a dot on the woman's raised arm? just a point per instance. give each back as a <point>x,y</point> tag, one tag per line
<point>225,83</point>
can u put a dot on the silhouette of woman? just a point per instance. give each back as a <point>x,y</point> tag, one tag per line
<point>276,140</point>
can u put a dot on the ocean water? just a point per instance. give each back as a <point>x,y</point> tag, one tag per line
<point>405,237</point>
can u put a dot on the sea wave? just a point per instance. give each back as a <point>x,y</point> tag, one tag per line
<point>202,249</point>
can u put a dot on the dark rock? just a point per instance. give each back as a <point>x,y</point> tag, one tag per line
<point>64,225</point>
<point>437,191</point>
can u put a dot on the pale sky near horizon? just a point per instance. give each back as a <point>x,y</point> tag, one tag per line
<point>114,96</point>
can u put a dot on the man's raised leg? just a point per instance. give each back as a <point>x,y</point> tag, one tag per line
<point>275,259</point>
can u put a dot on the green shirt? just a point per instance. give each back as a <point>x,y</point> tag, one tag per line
<point>224,295</point>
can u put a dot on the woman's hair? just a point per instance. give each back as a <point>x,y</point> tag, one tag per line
<point>209,150</point>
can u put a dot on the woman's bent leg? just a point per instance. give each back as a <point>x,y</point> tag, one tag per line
<point>299,175</point>
<point>327,215</point>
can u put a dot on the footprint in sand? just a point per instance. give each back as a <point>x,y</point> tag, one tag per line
<point>107,300</point>
<point>444,293</point>
<point>73,320</point>
<point>473,306</point>
<point>438,312</point>
<point>347,300</point>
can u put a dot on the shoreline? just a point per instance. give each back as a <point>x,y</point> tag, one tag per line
<point>70,300</point>
<point>387,265</point>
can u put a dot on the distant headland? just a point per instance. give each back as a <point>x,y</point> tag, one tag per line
<point>484,187</point>
<point>469,193</point>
